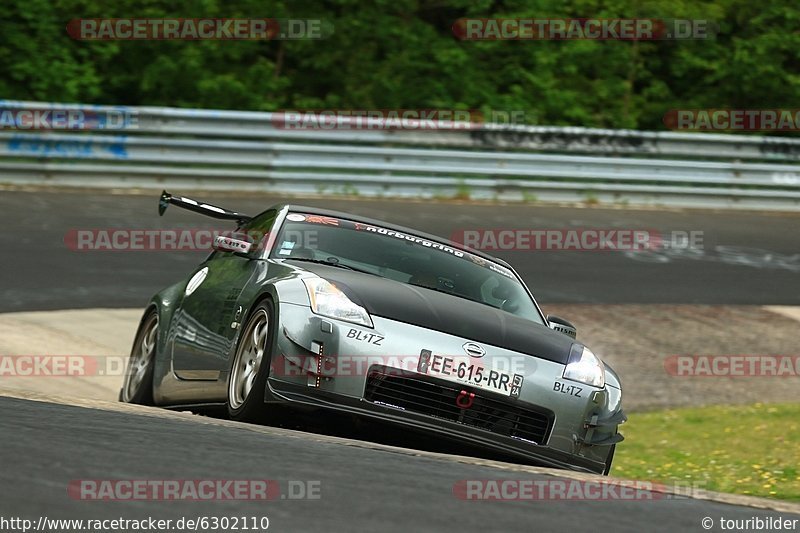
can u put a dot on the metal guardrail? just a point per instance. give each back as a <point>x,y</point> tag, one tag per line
<point>210,149</point>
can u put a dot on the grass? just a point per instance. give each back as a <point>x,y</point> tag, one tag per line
<point>751,449</point>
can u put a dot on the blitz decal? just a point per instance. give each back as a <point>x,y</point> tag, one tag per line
<point>572,390</point>
<point>371,338</point>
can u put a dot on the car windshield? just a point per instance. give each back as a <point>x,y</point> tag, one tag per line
<point>403,257</point>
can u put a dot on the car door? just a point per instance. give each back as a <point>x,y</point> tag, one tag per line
<point>207,320</point>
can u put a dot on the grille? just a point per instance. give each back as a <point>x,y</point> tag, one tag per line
<point>437,398</point>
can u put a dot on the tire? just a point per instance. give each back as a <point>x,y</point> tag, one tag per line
<point>609,460</point>
<point>247,379</point>
<point>137,386</point>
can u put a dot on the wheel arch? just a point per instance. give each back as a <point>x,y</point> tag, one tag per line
<point>266,297</point>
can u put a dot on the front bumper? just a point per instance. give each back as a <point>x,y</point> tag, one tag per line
<point>581,420</point>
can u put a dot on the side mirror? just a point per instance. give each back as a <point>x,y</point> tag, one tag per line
<point>225,243</point>
<point>559,324</point>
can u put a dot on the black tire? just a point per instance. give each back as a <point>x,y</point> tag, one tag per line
<point>137,386</point>
<point>609,460</point>
<point>247,379</point>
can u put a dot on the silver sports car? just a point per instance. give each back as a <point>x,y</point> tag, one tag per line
<point>312,308</point>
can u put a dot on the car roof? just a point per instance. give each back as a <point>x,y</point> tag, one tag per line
<point>387,225</point>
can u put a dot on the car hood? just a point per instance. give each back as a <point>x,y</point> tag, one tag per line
<point>442,312</point>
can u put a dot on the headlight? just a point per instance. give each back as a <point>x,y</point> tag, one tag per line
<point>327,300</point>
<point>585,367</point>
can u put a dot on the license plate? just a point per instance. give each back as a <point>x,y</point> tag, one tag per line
<point>466,371</point>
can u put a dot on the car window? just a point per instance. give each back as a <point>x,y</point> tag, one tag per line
<point>406,258</point>
<point>257,229</point>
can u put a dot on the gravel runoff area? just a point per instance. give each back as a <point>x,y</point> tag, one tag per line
<point>638,341</point>
<point>635,339</point>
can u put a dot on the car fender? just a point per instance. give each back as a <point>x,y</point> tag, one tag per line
<point>165,302</point>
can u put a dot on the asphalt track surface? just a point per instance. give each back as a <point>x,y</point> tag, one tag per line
<point>747,258</point>
<point>361,488</point>
<point>364,487</point>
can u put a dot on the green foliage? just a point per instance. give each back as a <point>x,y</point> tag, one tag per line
<point>390,54</point>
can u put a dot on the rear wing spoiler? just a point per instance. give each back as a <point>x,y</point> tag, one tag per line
<point>199,207</point>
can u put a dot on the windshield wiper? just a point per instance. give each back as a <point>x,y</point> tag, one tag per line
<point>331,263</point>
<point>437,289</point>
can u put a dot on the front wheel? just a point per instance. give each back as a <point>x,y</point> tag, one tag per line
<point>137,386</point>
<point>248,376</point>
